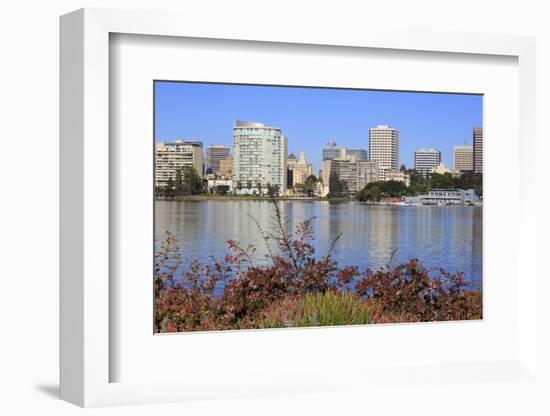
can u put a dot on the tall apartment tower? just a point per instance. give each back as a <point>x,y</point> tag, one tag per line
<point>426,160</point>
<point>215,153</point>
<point>169,157</point>
<point>194,143</point>
<point>384,148</point>
<point>259,157</point>
<point>478,149</point>
<point>463,158</point>
<point>356,174</point>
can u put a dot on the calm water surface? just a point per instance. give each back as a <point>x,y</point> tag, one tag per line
<point>447,237</point>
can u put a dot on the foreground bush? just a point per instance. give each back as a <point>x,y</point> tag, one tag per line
<point>408,294</point>
<point>299,289</point>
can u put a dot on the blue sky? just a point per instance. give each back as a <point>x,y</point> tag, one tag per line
<point>310,117</point>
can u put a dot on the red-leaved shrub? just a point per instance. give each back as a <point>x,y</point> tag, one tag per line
<point>185,300</point>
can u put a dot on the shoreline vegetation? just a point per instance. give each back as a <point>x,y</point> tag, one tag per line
<point>298,288</point>
<point>189,186</point>
<point>215,197</point>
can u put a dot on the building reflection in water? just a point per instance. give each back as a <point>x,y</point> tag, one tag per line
<point>447,237</point>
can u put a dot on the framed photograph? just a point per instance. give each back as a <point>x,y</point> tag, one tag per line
<point>279,213</point>
<point>248,235</point>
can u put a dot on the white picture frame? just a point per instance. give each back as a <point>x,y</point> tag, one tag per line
<point>86,353</point>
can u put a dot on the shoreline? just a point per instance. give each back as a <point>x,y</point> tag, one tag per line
<point>200,198</point>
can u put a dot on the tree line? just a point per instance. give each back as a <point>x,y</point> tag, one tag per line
<point>419,184</point>
<point>188,182</point>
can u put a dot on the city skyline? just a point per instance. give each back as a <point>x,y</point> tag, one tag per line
<point>310,117</point>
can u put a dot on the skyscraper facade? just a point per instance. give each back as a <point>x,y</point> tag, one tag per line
<point>463,158</point>
<point>478,149</point>
<point>215,153</point>
<point>384,148</point>
<point>259,157</point>
<point>426,160</point>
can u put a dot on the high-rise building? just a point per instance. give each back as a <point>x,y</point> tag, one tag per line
<point>194,143</point>
<point>169,157</point>
<point>478,149</point>
<point>346,171</point>
<point>226,166</point>
<point>331,151</point>
<point>359,153</point>
<point>426,160</point>
<point>384,148</point>
<point>300,169</point>
<point>367,172</point>
<point>215,153</point>
<point>463,158</point>
<point>356,174</point>
<point>259,158</point>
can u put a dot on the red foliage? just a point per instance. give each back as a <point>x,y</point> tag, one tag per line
<point>408,294</point>
<point>186,302</point>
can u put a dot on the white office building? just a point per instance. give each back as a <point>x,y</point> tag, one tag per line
<point>384,148</point>
<point>426,160</point>
<point>259,158</point>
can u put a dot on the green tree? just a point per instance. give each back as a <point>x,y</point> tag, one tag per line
<point>272,190</point>
<point>441,181</point>
<point>372,193</point>
<point>337,187</point>
<point>259,187</point>
<point>310,185</point>
<point>192,182</point>
<point>393,189</point>
<point>470,180</point>
<point>179,182</point>
<point>169,188</point>
<point>419,183</point>
<point>375,191</point>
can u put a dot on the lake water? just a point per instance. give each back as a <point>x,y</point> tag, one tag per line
<point>440,237</point>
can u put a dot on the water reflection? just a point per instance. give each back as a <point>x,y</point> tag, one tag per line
<point>447,237</point>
